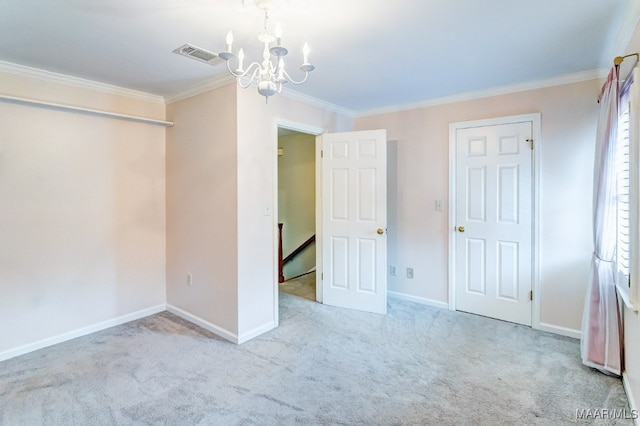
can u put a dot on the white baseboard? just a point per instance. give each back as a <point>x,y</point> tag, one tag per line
<point>633,405</point>
<point>564,331</point>
<point>219,331</point>
<point>25,349</point>
<point>415,299</point>
<point>256,332</point>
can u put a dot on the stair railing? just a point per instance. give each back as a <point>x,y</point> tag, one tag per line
<point>283,261</point>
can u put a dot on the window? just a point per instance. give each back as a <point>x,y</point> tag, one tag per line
<point>628,196</point>
<point>622,180</point>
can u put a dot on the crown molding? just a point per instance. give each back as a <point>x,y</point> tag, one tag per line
<point>619,48</point>
<point>223,80</point>
<point>52,77</point>
<point>486,93</point>
<point>210,84</point>
<point>313,101</point>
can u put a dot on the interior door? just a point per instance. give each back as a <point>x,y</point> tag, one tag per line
<point>493,243</point>
<point>354,219</point>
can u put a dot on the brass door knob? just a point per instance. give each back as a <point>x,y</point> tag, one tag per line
<point>460,228</point>
<point>380,231</point>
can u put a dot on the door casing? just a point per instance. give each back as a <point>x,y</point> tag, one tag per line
<point>535,119</point>
<point>315,131</point>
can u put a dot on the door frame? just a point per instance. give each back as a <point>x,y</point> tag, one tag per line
<point>535,119</point>
<point>310,130</point>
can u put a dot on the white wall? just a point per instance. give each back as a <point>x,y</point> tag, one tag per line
<point>81,213</point>
<point>418,175</point>
<point>297,199</point>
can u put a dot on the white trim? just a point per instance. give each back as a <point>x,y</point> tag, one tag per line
<point>245,337</point>
<point>624,295</point>
<point>313,101</point>
<point>536,223</point>
<point>25,349</point>
<point>486,93</point>
<point>632,16</point>
<point>210,84</point>
<point>223,80</point>
<point>556,329</point>
<point>275,228</point>
<point>452,218</point>
<point>633,405</point>
<point>218,331</point>
<point>298,127</point>
<point>535,119</point>
<point>416,299</point>
<point>69,108</point>
<point>311,130</point>
<point>319,220</point>
<point>52,77</point>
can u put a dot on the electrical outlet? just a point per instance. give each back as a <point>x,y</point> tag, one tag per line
<point>410,273</point>
<point>392,270</point>
<point>189,280</point>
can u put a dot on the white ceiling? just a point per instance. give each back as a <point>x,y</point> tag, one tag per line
<point>368,53</point>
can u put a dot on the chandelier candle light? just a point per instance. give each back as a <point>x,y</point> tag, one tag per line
<point>269,75</point>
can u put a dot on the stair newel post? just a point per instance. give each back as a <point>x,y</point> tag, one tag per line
<point>280,262</point>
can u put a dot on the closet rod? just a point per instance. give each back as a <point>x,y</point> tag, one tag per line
<point>85,110</point>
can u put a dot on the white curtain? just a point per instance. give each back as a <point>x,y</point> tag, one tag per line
<point>601,323</point>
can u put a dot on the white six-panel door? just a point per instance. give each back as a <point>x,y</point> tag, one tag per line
<point>354,220</point>
<point>493,221</point>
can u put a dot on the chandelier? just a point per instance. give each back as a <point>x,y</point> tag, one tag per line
<point>270,74</point>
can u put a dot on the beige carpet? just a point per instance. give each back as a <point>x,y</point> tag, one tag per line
<point>303,286</point>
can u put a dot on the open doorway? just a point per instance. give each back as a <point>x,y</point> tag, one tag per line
<point>350,170</point>
<point>296,197</point>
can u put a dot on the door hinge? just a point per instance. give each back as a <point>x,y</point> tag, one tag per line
<point>531,295</point>
<point>321,276</point>
<point>530,142</point>
<point>321,153</point>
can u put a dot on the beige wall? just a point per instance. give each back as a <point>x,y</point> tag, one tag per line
<point>202,199</point>
<point>83,95</point>
<point>418,175</point>
<point>257,168</point>
<point>221,205</point>
<point>82,214</point>
<point>297,199</point>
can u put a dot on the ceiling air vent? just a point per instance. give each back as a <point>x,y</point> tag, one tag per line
<point>198,54</point>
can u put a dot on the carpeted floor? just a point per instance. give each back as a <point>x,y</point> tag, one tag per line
<point>303,286</point>
<point>323,365</point>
